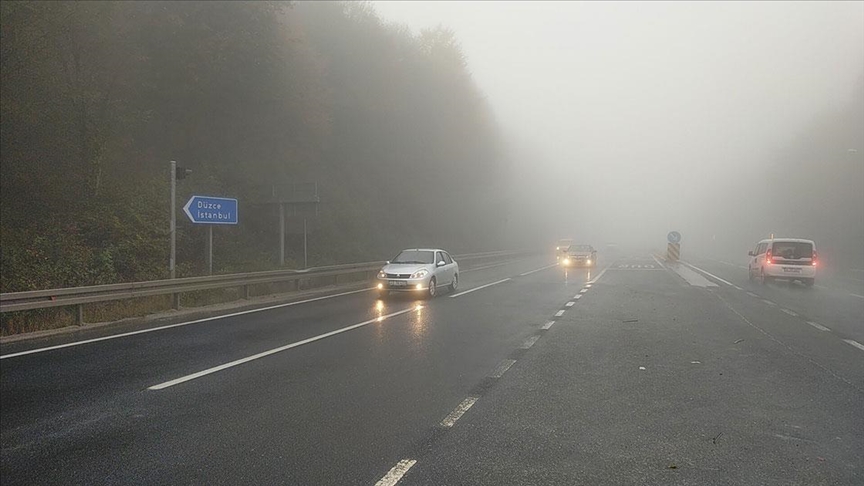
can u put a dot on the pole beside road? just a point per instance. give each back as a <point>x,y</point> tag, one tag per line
<point>173,225</point>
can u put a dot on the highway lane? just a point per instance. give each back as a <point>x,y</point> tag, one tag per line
<point>835,303</point>
<point>539,379</point>
<point>84,414</point>
<point>649,380</point>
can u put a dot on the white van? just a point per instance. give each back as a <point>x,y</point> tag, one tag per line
<point>785,258</point>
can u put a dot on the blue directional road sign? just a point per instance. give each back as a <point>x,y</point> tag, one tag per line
<point>674,237</point>
<point>211,210</point>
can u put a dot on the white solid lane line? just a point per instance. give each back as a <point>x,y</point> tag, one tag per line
<point>602,272</point>
<point>856,295</point>
<point>538,270</point>
<point>395,474</point>
<point>502,368</point>
<point>818,326</point>
<point>657,260</point>
<point>547,325</point>
<point>479,288</point>
<point>694,267</point>
<point>855,343</point>
<point>238,362</point>
<point>170,326</point>
<point>529,342</point>
<point>559,313</point>
<point>460,410</point>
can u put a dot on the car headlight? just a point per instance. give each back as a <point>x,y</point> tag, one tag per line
<point>566,261</point>
<point>420,273</point>
<point>381,274</point>
<point>588,262</point>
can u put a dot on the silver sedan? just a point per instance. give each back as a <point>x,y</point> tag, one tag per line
<point>421,271</point>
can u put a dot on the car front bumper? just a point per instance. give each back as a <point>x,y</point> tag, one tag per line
<point>403,284</point>
<point>577,262</point>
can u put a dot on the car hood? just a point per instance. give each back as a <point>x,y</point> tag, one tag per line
<point>580,253</point>
<point>406,267</point>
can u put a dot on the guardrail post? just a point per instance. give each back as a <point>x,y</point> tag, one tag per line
<point>79,315</point>
<point>175,301</point>
<point>246,292</point>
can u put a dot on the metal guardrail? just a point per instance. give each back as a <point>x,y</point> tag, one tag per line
<point>78,296</point>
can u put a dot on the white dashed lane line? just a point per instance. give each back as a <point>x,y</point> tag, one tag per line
<point>577,296</point>
<point>818,326</point>
<point>768,302</point>
<point>559,313</point>
<point>502,368</point>
<point>460,410</point>
<point>538,270</point>
<point>855,343</point>
<point>479,288</point>
<point>570,304</point>
<point>583,291</point>
<point>395,474</point>
<point>793,314</point>
<point>529,342</point>
<point>548,325</point>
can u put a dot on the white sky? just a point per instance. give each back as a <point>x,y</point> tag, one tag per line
<point>658,101</point>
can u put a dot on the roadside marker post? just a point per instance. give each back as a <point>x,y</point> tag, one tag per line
<point>673,247</point>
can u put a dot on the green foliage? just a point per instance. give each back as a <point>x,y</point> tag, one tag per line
<point>97,97</point>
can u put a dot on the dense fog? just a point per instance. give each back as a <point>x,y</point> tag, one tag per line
<point>726,121</point>
<point>471,126</point>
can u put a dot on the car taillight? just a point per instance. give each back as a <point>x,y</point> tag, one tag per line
<point>813,260</point>
<point>768,256</point>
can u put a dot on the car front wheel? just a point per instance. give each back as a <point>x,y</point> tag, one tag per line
<point>454,284</point>
<point>432,289</point>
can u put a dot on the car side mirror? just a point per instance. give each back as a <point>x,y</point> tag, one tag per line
<point>750,253</point>
<point>440,264</point>
<point>387,262</point>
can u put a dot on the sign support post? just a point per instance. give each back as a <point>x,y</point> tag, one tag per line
<point>211,211</point>
<point>281,235</point>
<point>209,249</point>
<point>173,225</point>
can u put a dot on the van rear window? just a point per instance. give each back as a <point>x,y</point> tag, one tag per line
<point>792,250</point>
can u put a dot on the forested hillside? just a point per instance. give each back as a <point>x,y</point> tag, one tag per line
<point>98,97</point>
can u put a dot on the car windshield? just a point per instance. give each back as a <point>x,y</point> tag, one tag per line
<point>792,249</point>
<point>414,256</point>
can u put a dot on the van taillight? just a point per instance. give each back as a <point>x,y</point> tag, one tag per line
<point>813,261</point>
<point>768,256</point>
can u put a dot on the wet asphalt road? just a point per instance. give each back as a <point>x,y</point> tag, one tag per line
<point>642,379</point>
